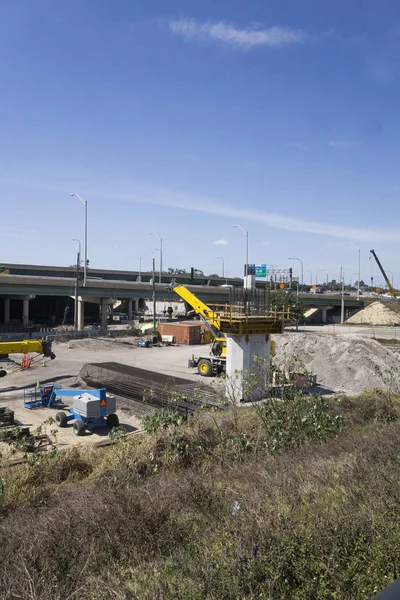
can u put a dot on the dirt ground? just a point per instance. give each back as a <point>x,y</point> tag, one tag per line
<point>64,370</point>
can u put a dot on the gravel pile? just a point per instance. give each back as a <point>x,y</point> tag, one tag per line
<point>350,365</point>
<point>376,313</point>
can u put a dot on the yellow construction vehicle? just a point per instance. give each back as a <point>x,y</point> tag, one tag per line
<point>26,347</point>
<point>215,363</point>
<point>385,277</point>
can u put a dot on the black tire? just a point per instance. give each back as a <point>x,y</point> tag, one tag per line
<point>61,419</point>
<point>3,373</point>
<point>79,427</point>
<point>204,368</point>
<point>112,421</point>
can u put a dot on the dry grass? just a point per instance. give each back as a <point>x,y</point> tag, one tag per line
<point>152,519</point>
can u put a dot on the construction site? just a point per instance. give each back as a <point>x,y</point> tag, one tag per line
<point>184,365</point>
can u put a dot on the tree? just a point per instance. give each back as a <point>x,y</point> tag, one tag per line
<point>172,271</point>
<point>291,303</point>
<point>214,275</point>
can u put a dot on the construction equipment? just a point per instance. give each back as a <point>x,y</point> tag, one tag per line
<point>26,347</point>
<point>386,278</point>
<point>215,363</point>
<point>91,408</point>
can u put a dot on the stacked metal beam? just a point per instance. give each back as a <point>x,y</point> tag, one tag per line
<point>149,387</point>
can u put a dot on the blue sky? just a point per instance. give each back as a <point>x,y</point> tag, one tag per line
<point>185,118</point>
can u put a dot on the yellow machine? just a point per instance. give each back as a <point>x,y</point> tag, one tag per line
<point>386,278</point>
<point>26,347</point>
<point>215,363</point>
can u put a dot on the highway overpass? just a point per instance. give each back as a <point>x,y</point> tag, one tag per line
<point>38,297</point>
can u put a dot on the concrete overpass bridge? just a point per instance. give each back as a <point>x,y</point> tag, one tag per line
<point>40,296</point>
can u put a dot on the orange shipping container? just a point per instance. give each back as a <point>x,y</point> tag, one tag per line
<point>184,332</point>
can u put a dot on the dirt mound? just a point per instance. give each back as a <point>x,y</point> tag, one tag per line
<point>99,344</point>
<point>351,365</point>
<point>376,313</point>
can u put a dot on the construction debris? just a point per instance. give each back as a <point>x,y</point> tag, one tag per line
<point>6,417</point>
<point>349,365</point>
<point>374,314</point>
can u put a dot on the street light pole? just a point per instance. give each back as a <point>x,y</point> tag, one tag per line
<point>246,267</point>
<point>140,264</point>
<point>161,252</point>
<point>223,266</point>
<point>359,268</point>
<point>342,301</point>
<point>78,264</point>
<point>302,273</point>
<point>308,271</point>
<point>84,202</point>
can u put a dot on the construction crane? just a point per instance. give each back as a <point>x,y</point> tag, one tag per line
<point>386,278</point>
<point>26,347</point>
<point>216,362</point>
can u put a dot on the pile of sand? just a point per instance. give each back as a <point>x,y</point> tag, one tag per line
<point>351,365</point>
<point>376,313</point>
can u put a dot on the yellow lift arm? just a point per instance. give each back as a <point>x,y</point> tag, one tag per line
<point>200,308</point>
<point>26,347</point>
<point>386,278</point>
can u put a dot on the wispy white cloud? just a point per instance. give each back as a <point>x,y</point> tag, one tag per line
<point>339,143</point>
<point>162,197</point>
<point>170,198</point>
<point>266,243</point>
<point>240,38</point>
<point>221,242</point>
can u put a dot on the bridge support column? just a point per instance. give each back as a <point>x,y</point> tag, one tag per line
<point>6,311</point>
<point>130,309</point>
<point>81,314</point>
<point>104,313</point>
<point>247,379</point>
<point>324,313</point>
<point>25,312</point>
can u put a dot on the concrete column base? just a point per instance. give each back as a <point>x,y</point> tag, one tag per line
<point>81,314</point>
<point>130,315</point>
<point>247,367</point>
<point>25,312</point>
<point>104,313</point>
<point>6,311</point>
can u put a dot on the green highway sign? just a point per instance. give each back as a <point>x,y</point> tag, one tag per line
<point>261,271</point>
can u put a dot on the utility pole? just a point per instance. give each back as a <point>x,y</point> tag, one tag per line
<point>78,264</point>
<point>342,302</point>
<point>154,295</point>
<point>78,261</point>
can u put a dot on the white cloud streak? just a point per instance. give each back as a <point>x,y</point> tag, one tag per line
<point>209,206</point>
<point>221,242</point>
<point>190,202</point>
<point>239,38</point>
